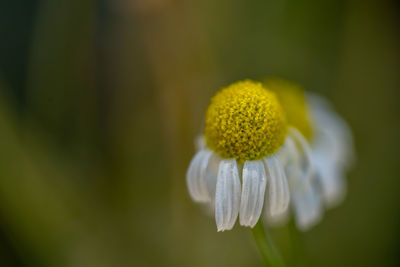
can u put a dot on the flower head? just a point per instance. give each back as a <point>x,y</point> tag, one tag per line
<point>265,147</point>
<point>239,163</point>
<point>245,121</point>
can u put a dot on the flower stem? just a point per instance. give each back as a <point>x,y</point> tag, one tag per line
<point>266,246</point>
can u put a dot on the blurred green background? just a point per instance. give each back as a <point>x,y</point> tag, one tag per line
<point>100,102</point>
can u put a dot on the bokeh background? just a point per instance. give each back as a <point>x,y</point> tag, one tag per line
<point>100,102</point>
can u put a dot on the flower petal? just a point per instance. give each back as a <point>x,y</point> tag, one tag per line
<point>307,207</point>
<point>306,164</point>
<point>227,197</point>
<point>211,177</point>
<point>285,186</point>
<point>288,152</point>
<point>332,181</point>
<point>332,132</point>
<point>291,162</point>
<point>196,176</point>
<point>252,200</point>
<point>272,188</point>
<point>333,149</point>
<point>278,191</point>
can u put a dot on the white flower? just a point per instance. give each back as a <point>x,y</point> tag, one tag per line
<point>241,159</point>
<point>249,160</point>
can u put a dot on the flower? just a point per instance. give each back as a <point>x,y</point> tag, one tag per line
<point>330,154</point>
<point>239,158</point>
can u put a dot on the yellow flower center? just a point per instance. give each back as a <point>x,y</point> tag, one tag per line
<point>245,121</point>
<point>292,98</point>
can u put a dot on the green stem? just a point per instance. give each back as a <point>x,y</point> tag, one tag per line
<point>298,253</point>
<point>266,246</point>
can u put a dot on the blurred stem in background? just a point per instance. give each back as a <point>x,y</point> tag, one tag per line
<point>50,155</point>
<point>35,209</point>
<point>182,71</point>
<point>61,94</point>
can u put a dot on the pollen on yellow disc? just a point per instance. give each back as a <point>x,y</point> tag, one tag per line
<point>292,98</point>
<point>245,121</point>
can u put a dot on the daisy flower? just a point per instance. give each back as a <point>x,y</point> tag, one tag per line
<point>239,167</point>
<point>331,152</point>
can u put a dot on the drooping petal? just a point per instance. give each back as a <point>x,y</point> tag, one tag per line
<point>272,194</point>
<point>285,186</point>
<point>316,207</point>
<point>227,197</point>
<point>331,131</point>
<point>333,149</point>
<point>288,153</point>
<point>307,207</point>
<point>331,180</point>
<point>299,210</point>
<point>305,198</point>
<point>211,177</point>
<point>306,164</point>
<point>252,200</point>
<point>278,191</point>
<point>291,162</point>
<point>196,176</point>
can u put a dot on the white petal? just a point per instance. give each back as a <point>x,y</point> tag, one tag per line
<point>332,181</point>
<point>272,194</point>
<point>332,145</point>
<point>333,150</point>
<point>288,153</point>
<point>211,177</point>
<point>307,207</point>
<point>306,166</point>
<point>300,211</point>
<point>291,163</point>
<point>316,205</point>
<point>306,201</point>
<point>332,130</point>
<point>278,190</point>
<point>227,197</point>
<point>252,200</point>
<point>285,186</point>
<point>196,176</point>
